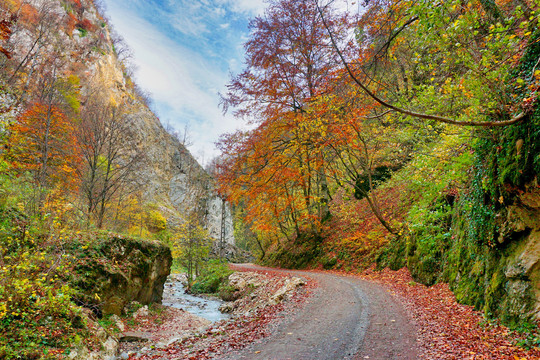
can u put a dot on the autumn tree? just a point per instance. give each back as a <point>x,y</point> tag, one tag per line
<point>109,161</point>
<point>42,140</point>
<point>289,62</point>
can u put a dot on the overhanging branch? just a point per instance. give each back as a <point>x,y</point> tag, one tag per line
<point>386,104</point>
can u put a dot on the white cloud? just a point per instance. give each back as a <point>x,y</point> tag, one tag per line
<point>251,7</point>
<point>181,80</point>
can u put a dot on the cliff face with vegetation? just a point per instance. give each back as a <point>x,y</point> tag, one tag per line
<point>169,175</point>
<point>87,54</point>
<point>83,156</point>
<point>113,271</point>
<point>486,241</point>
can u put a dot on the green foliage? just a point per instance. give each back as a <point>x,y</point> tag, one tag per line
<point>329,262</point>
<point>529,337</point>
<point>155,221</point>
<point>82,31</point>
<point>38,320</point>
<point>190,245</point>
<point>212,279</point>
<point>433,179</point>
<point>228,293</point>
<point>459,243</point>
<point>243,236</point>
<point>506,161</point>
<point>511,155</point>
<point>69,88</point>
<point>461,55</point>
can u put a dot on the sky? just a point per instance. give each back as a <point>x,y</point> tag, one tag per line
<point>184,52</point>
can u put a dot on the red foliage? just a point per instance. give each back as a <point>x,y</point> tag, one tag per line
<point>5,33</point>
<point>71,22</point>
<point>86,25</point>
<point>76,2</point>
<point>446,329</point>
<point>354,230</point>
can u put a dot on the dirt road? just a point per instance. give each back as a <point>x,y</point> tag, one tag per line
<point>346,318</point>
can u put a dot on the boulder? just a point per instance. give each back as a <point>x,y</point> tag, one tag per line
<point>120,270</point>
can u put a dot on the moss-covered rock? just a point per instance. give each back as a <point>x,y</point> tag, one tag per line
<point>112,271</point>
<point>486,243</point>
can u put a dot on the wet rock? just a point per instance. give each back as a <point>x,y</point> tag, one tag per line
<point>135,336</point>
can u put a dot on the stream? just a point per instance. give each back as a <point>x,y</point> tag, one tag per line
<point>174,295</point>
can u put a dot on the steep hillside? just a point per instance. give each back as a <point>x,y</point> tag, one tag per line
<point>168,175</point>
<point>96,197</point>
<point>415,143</point>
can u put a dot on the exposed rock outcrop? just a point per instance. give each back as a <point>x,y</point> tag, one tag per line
<point>120,271</point>
<point>169,176</point>
<point>257,291</point>
<point>522,270</point>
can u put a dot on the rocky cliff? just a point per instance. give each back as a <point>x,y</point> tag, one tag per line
<point>67,46</point>
<point>170,176</point>
<point>173,179</point>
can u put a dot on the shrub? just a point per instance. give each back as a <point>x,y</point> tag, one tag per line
<point>213,277</point>
<point>38,320</point>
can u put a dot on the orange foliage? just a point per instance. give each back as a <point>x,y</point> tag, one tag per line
<point>274,176</point>
<point>42,141</point>
<point>86,25</point>
<point>71,22</point>
<point>354,231</point>
<point>29,14</point>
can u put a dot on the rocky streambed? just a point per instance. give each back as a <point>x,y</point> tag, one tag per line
<point>174,295</point>
<point>190,324</point>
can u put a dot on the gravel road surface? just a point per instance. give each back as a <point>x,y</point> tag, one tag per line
<point>346,318</point>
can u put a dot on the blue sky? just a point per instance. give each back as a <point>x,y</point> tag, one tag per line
<point>184,51</point>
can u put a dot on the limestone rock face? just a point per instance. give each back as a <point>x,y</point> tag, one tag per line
<point>523,266</point>
<point>173,178</point>
<point>169,175</point>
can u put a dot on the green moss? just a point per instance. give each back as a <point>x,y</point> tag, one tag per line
<point>394,255</point>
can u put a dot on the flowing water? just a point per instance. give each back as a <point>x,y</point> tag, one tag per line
<point>174,295</point>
